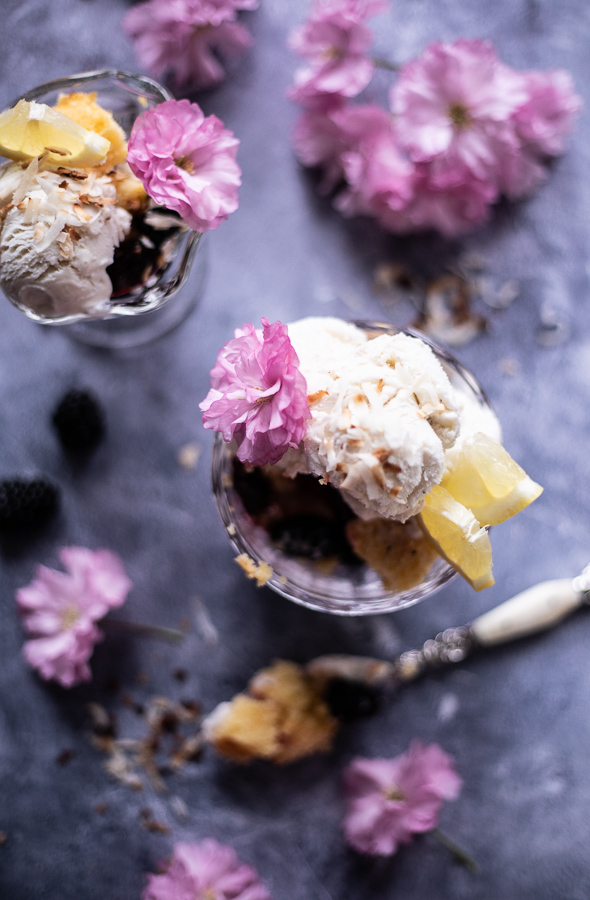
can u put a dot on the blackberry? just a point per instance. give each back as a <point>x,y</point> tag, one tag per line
<point>26,502</point>
<point>347,699</point>
<point>79,421</point>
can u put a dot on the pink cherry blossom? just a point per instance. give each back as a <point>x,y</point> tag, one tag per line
<point>546,119</point>
<point>453,105</point>
<point>205,871</point>
<point>258,396</point>
<point>450,206</point>
<point>379,178</point>
<point>390,800</point>
<point>335,41</point>
<point>325,138</point>
<point>183,37</point>
<point>186,162</point>
<point>60,609</point>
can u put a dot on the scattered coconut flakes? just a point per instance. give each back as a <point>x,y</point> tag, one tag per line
<point>447,708</point>
<point>179,807</point>
<point>471,261</point>
<point>119,766</point>
<point>231,529</point>
<point>150,823</point>
<point>447,314</point>
<point>163,748</point>
<point>555,327</point>
<point>394,283</point>
<point>189,455</point>
<point>261,572</point>
<point>509,366</point>
<point>204,624</point>
<point>501,298</point>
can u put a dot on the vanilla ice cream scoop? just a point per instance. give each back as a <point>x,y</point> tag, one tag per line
<point>383,414</point>
<point>58,234</point>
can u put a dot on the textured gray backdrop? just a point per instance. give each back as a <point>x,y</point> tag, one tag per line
<point>517,720</point>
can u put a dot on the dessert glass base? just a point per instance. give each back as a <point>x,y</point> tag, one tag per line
<point>147,277</point>
<point>334,586</point>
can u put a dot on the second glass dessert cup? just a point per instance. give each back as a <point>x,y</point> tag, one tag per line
<point>138,314</point>
<point>347,590</point>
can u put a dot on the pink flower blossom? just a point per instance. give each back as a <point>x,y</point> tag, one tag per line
<point>450,206</point>
<point>546,119</point>
<point>60,610</point>
<point>389,800</point>
<point>205,871</point>
<point>335,41</point>
<point>258,395</point>
<point>453,105</point>
<point>183,37</point>
<point>379,179</point>
<point>325,138</point>
<point>186,162</point>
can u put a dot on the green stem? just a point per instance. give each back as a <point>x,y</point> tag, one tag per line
<point>150,631</point>
<point>455,850</point>
<point>383,63</point>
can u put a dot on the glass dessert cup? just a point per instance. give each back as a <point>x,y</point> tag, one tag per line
<point>341,589</point>
<point>146,311</point>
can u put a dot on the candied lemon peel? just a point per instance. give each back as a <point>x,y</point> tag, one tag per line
<point>31,130</point>
<point>483,487</point>
<point>489,482</point>
<point>458,537</point>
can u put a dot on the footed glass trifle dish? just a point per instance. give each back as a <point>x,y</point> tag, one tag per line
<point>99,205</point>
<point>339,501</point>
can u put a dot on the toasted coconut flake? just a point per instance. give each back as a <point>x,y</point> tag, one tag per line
<point>204,624</point>
<point>313,398</point>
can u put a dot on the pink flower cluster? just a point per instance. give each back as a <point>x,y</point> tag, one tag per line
<point>390,800</point>
<point>60,610</point>
<point>186,162</point>
<point>183,38</point>
<point>205,871</point>
<point>258,396</point>
<point>462,129</point>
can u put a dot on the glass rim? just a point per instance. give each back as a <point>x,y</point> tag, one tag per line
<point>162,285</point>
<point>441,571</point>
<point>137,84</point>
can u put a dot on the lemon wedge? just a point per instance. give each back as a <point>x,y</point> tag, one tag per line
<point>458,537</point>
<point>489,482</point>
<point>34,129</point>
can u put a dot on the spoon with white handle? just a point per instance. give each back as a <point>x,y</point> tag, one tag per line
<point>536,609</point>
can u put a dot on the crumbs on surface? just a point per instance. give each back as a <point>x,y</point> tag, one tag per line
<point>172,738</point>
<point>189,455</point>
<point>281,718</point>
<point>261,572</point>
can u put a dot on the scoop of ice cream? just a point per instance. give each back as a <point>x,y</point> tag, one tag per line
<point>383,414</point>
<point>58,234</point>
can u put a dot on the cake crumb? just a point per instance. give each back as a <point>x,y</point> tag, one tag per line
<point>231,529</point>
<point>189,455</point>
<point>261,572</point>
<point>281,718</point>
